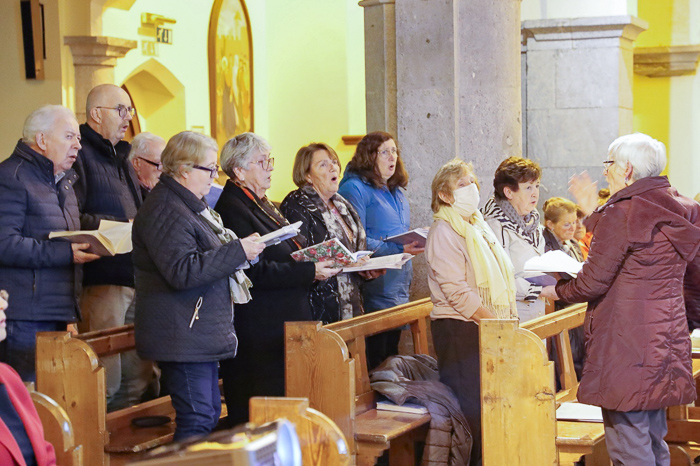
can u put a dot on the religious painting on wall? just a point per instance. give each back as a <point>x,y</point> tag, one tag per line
<point>230,70</point>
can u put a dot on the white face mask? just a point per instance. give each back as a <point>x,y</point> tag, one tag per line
<point>466,200</point>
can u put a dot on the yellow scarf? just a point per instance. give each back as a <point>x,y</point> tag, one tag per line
<point>493,269</point>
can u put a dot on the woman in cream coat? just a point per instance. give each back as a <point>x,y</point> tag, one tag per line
<point>512,215</point>
<point>476,283</point>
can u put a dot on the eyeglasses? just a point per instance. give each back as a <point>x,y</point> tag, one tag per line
<point>158,165</point>
<point>266,164</point>
<point>608,163</point>
<point>213,171</point>
<point>387,152</point>
<point>326,164</point>
<point>123,111</point>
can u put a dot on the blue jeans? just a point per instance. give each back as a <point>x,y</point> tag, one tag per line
<point>194,390</point>
<point>19,348</point>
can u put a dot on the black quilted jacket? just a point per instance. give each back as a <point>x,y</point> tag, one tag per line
<point>38,273</point>
<point>107,188</point>
<point>178,260</point>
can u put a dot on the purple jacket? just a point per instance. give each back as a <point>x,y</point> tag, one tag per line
<point>637,341</point>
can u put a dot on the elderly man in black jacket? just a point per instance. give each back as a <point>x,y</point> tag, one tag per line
<point>36,198</point>
<point>108,188</point>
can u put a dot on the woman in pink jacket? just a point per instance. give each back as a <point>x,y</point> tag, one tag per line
<point>470,278</point>
<point>638,358</point>
<point>21,434</point>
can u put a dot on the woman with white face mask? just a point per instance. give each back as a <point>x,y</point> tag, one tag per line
<point>470,278</point>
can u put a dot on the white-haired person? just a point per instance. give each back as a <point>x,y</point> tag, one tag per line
<point>638,350</point>
<point>476,282</point>
<point>36,198</point>
<point>145,158</point>
<point>277,278</point>
<point>188,277</point>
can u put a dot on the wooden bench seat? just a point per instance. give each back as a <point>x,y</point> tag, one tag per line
<point>328,365</point>
<point>69,371</point>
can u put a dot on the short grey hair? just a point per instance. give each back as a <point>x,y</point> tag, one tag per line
<point>140,143</point>
<point>238,151</point>
<point>186,149</point>
<point>42,120</point>
<point>646,155</point>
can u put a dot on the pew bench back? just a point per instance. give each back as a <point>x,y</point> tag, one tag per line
<point>69,371</point>
<point>328,365</point>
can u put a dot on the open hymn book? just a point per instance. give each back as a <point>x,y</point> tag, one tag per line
<point>330,250</point>
<point>109,239</point>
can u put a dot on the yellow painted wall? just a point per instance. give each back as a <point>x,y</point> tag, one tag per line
<point>20,96</point>
<point>667,108</point>
<point>308,62</point>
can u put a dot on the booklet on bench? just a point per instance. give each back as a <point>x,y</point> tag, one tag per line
<point>572,411</point>
<point>109,239</point>
<point>277,236</point>
<point>417,235</point>
<point>413,408</point>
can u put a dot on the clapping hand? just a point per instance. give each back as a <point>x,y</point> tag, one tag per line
<point>585,191</point>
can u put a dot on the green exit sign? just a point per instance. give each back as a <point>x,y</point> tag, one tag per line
<point>164,36</point>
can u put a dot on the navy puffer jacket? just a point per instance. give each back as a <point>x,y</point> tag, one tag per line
<point>637,341</point>
<point>107,188</point>
<point>37,272</point>
<point>178,261</point>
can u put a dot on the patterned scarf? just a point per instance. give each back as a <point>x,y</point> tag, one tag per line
<point>493,269</point>
<point>239,283</point>
<point>527,226</point>
<point>335,230</point>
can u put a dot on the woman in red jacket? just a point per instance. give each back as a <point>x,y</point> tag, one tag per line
<point>21,434</point>
<point>638,358</point>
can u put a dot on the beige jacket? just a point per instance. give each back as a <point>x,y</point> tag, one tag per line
<point>450,274</point>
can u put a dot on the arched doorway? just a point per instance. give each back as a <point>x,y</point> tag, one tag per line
<point>159,98</point>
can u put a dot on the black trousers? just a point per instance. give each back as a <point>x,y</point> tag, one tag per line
<point>456,344</point>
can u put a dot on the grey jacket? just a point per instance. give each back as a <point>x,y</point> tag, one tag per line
<point>415,378</point>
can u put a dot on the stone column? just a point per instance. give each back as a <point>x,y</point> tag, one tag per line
<point>94,59</point>
<point>458,93</point>
<point>579,94</point>
<point>380,65</point>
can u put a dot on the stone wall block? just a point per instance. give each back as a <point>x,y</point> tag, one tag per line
<point>540,74</point>
<point>573,138</point>
<point>587,78</point>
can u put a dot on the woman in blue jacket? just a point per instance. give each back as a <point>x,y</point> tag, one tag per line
<point>372,184</point>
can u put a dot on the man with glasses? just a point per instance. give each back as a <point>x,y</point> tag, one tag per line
<point>145,158</point>
<point>108,188</point>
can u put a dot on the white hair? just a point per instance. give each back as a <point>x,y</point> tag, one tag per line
<point>141,142</point>
<point>646,155</point>
<point>238,151</point>
<point>42,120</point>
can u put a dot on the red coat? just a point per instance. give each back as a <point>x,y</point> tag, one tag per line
<point>637,339</point>
<point>10,453</point>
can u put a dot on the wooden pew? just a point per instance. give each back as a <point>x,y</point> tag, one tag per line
<point>69,371</point>
<point>519,399</point>
<point>321,441</point>
<point>684,424</point>
<point>327,364</point>
<point>58,430</point>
